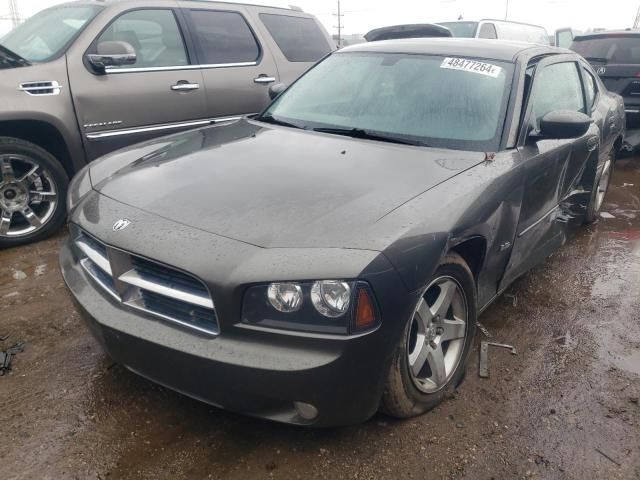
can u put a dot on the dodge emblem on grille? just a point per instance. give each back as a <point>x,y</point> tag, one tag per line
<point>121,224</point>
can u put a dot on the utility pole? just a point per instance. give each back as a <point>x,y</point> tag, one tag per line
<point>340,26</point>
<point>636,24</point>
<point>14,16</point>
<point>506,11</point>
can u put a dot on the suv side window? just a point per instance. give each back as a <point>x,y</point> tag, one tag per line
<point>299,38</point>
<point>487,30</point>
<point>590,86</point>
<point>223,38</point>
<point>154,35</point>
<point>557,87</point>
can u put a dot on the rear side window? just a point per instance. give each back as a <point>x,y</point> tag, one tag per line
<point>557,87</point>
<point>153,34</point>
<point>299,38</point>
<point>487,30</point>
<point>223,38</point>
<point>621,50</point>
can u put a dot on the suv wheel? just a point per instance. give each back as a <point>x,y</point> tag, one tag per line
<point>600,188</point>
<point>430,358</point>
<point>33,188</point>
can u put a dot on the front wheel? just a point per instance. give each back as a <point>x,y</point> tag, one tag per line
<point>430,358</point>
<point>33,188</point>
<point>601,186</point>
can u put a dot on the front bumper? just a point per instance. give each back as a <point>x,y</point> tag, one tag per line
<point>254,372</point>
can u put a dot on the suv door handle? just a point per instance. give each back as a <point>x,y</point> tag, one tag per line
<point>183,86</point>
<point>264,79</point>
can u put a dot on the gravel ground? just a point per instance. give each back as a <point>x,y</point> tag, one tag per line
<point>565,407</point>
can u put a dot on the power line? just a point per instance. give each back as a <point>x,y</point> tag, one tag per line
<point>636,24</point>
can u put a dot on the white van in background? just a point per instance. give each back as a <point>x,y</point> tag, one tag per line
<point>498,29</point>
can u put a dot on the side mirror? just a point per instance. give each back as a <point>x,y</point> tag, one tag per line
<point>564,124</point>
<point>276,90</point>
<point>112,54</point>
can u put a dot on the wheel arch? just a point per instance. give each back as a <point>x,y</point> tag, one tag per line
<point>473,251</point>
<point>43,134</point>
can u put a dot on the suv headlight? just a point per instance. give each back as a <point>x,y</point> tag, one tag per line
<point>78,188</point>
<point>338,307</point>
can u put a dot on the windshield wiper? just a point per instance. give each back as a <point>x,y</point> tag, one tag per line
<point>597,59</point>
<point>367,135</point>
<point>276,121</point>
<point>13,58</point>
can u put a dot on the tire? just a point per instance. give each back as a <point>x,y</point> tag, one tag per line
<point>405,394</point>
<point>600,188</point>
<point>33,191</point>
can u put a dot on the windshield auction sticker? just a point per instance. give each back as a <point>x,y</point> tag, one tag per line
<point>471,66</point>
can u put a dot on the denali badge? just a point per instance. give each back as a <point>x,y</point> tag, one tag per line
<point>602,71</point>
<point>121,224</point>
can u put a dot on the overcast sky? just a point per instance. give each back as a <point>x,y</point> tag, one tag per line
<point>360,16</point>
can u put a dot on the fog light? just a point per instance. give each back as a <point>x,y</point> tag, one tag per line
<point>285,297</point>
<point>306,410</point>
<point>331,297</point>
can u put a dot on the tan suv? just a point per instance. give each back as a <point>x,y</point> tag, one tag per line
<point>85,78</point>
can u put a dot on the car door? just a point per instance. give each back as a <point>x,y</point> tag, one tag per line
<point>555,169</point>
<point>297,40</point>
<point>237,68</point>
<point>161,93</point>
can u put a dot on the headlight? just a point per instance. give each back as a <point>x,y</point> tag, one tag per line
<point>337,307</point>
<point>78,188</point>
<point>285,297</point>
<point>331,298</point>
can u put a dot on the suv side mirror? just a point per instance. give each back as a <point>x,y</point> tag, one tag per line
<point>564,124</point>
<point>112,54</point>
<point>276,90</point>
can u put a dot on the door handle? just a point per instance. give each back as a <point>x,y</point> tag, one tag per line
<point>183,86</point>
<point>264,79</point>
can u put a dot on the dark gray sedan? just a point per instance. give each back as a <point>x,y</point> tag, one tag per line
<point>330,257</point>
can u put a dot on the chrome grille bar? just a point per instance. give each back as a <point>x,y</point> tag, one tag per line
<point>132,277</point>
<point>147,286</point>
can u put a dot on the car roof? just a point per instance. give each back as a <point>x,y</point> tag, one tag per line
<point>608,33</point>
<point>105,3</point>
<point>495,20</point>
<point>501,50</point>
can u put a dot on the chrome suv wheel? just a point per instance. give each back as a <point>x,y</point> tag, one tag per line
<point>32,190</point>
<point>429,360</point>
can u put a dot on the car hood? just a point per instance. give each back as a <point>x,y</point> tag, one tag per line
<point>274,186</point>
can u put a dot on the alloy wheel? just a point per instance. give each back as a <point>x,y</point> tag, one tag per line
<point>28,196</point>
<point>603,184</point>
<point>437,334</point>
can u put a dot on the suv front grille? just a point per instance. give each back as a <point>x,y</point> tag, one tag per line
<point>146,285</point>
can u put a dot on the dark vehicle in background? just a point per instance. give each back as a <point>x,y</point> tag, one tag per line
<point>417,30</point>
<point>498,30</point>
<point>330,256</point>
<point>615,55</point>
<point>83,79</point>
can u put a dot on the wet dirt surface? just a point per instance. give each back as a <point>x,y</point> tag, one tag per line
<point>566,407</point>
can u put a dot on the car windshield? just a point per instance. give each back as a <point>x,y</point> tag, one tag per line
<point>609,49</point>
<point>46,35</point>
<point>461,29</point>
<point>427,100</point>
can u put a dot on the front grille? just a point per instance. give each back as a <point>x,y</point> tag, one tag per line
<point>148,286</point>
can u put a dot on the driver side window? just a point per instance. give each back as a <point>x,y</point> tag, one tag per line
<point>556,87</point>
<point>153,34</point>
